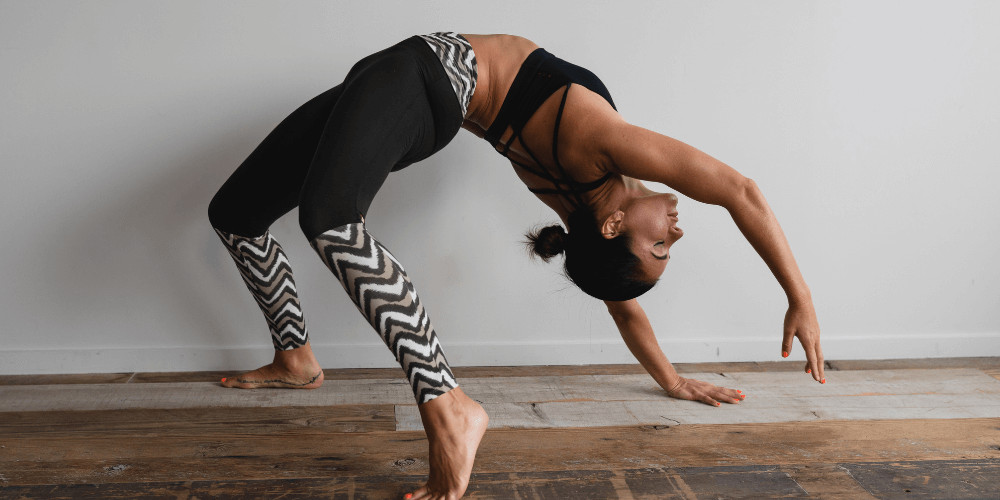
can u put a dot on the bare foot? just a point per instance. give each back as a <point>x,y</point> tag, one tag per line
<point>454,424</point>
<point>293,369</point>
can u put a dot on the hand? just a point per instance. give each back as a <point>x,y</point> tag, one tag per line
<point>696,390</point>
<point>801,322</point>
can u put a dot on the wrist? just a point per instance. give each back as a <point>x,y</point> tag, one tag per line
<point>800,297</point>
<point>671,385</point>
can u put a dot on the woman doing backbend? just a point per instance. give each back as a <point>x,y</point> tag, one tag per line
<point>558,125</point>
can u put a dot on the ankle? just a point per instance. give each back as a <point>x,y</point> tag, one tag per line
<point>299,358</point>
<point>452,405</point>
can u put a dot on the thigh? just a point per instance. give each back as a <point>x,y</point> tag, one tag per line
<point>383,119</point>
<point>268,183</point>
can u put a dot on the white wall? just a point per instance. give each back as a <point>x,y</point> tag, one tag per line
<point>870,126</point>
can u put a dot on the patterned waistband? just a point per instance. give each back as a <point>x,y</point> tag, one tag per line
<point>459,63</point>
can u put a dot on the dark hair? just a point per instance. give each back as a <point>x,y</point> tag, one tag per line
<point>603,268</point>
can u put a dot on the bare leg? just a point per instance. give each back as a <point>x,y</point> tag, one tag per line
<point>292,369</point>
<point>455,424</point>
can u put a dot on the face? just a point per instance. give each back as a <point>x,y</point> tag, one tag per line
<point>651,223</point>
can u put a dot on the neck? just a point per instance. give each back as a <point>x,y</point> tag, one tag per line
<point>613,195</point>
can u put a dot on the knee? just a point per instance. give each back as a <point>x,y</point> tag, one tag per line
<point>318,215</point>
<point>230,214</point>
<point>218,215</point>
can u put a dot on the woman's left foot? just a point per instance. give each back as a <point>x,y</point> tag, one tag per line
<point>293,369</point>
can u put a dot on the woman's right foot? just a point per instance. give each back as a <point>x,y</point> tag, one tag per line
<point>455,425</point>
<point>293,369</point>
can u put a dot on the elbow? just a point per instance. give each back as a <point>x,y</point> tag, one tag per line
<point>749,189</point>
<point>745,193</point>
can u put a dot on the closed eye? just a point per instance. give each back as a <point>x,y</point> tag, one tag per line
<point>665,256</point>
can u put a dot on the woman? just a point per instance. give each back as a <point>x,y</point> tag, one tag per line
<point>557,124</point>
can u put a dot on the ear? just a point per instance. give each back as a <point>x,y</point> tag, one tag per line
<point>612,226</point>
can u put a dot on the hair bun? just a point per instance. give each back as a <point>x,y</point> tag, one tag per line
<point>547,242</point>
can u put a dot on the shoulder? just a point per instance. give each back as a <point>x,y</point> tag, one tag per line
<point>596,126</point>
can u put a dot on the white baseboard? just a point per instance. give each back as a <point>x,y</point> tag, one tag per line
<point>196,358</point>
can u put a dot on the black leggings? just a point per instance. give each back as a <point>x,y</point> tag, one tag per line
<point>332,155</point>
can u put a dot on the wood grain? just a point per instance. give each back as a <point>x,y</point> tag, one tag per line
<point>209,452</point>
<point>576,401</point>
<point>984,363</point>
<point>890,432</point>
<point>73,378</point>
<point>139,423</point>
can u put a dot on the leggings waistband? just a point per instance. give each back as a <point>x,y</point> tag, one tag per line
<point>459,62</point>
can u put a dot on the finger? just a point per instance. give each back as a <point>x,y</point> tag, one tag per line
<point>811,357</point>
<point>709,401</point>
<point>816,362</point>
<point>786,343</point>
<point>822,363</point>
<point>810,349</point>
<point>734,395</point>
<point>729,395</point>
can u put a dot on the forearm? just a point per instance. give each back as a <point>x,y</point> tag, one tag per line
<point>638,335</point>
<point>760,227</point>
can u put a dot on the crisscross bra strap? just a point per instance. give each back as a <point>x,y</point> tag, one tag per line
<point>540,76</point>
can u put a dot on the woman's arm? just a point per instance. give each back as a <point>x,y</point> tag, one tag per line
<point>638,335</point>
<point>643,154</point>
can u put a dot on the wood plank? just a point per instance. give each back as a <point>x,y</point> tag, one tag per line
<point>582,484</point>
<point>929,479</point>
<point>216,375</point>
<point>985,363</point>
<point>979,363</point>
<point>286,420</point>
<point>772,397</point>
<point>760,481</point>
<point>827,481</point>
<point>198,395</point>
<point>939,479</point>
<point>497,389</point>
<point>73,378</point>
<point>527,485</point>
<point>120,455</point>
<point>757,410</point>
<point>577,401</point>
<point>394,373</point>
<point>341,488</point>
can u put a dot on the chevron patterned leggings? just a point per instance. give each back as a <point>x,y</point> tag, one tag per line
<point>268,276</point>
<point>379,286</point>
<point>329,158</point>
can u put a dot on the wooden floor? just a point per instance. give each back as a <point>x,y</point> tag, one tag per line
<point>877,429</point>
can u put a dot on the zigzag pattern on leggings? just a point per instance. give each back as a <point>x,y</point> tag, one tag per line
<point>268,276</point>
<point>459,61</point>
<point>379,286</point>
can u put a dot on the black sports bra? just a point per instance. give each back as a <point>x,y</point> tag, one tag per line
<point>540,76</point>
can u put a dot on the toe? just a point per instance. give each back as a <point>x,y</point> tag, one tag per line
<point>245,384</point>
<point>419,493</point>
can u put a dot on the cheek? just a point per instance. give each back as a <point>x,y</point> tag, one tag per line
<point>654,269</point>
<point>663,226</point>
